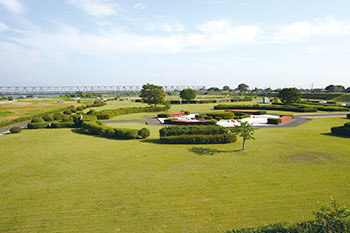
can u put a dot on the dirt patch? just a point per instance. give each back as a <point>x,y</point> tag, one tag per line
<point>308,157</point>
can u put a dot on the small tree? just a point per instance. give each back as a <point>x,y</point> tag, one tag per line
<point>188,94</point>
<point>245,131</point>
<point>226,88</point>
<point>289,95</point>
<point>167,105</point>
<point>242,87</point>
<point>152,94</point>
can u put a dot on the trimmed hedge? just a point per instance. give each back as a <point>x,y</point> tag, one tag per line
<point>217,115</point>
<point>96,104</point>
<point>80,108</point>
<point>37,119</point>
<point>97,128</point>
<point>179,122</point>
<point>342,130</point>
<point>163,115</point>
<point>62,125</point>
<point>348,116</point>
<point>15,129</point>
<point>193,101</point>
<point>268,107</point>
<point>242,99</point>
<point>190,130</point>
<point>274,121</point>
<point>322,96</point>
<point>107,114</point>
<point>48,118</point>
<point>200,139</point>
<point>38,125</point>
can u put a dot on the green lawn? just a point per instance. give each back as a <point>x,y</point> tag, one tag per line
<point>55,180</point>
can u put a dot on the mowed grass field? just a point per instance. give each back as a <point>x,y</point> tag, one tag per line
<point>55,180</point>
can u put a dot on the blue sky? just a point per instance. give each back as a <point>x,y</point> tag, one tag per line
<point>264,43</point>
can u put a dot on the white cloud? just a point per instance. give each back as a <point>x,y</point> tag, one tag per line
<point>166,26</point>
<point>96,8</point>
<point>13,6</point>
<point>3,27</point>
<point>139,5</point>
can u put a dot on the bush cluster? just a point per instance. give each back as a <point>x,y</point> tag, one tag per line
<point>177,122</point>
<point>38,125</point>
<point>96,104</point>
<point>189,130</point>
<point>242,99</point>
<point>97,128</point>
<point>163,115</point>
<point>48,118</point>
<point>342,130</point>
<point>216,115</point>
<point>193,101</point>
<point>15,129</point>
<point>107,114</point>
<point>57,124</point>
<point>274,121</point>
<point>322,96</point>
<point>268,107</point>
<point>200,139</point>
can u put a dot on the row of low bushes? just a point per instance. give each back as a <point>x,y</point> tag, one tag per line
<point>98,128</point>
<point>189,130</point>
<point>342,130</point>
<point>196,135</point>
<point>96,104</point>
<point>222,115</point>
<point>242,99</point>
<point>321,107</point>
<point>274,121</point>
<point>163,115</point>
<point>183,122</point>
<point>322,96</point>
<point>200,139</point>
<point>268,107</point>
<point>107,114</point>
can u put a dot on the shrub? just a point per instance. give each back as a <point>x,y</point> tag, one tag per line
<point>241,99</point>
<point>103,116</point>
<point>200,139</point>
<point>38,125</point>
<point>342,130</point>
<point>268,107</point>
<point>96,104</point>
<point>48,118</point>
<point>37,119</point>
<point>274,121</point>
<point>144,133</point>
<point>206,101</point>
<point>181,122</point>
<point>62,125</point>
<point>59,116</point>
<point>163,115</point>
<point>67,112</point>
<point>123,111</point>
<point>217,115</point>
<point>15,129</point>
<point>348,116</point>
<point>259,113</point>
<point>175,102</point>
<point>92,111</point>
<point>67,119</point>
<point>73,110</point>
<point>80,108</point>
<point>126,133</point>
<point>190,130</point>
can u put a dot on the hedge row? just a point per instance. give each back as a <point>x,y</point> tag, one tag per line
<point>216,115</point>
<point>274,121</point>
<point>322,96</point>
<point>321,107</point>
<point>163,115</point>
<point>38,125</point>
<point>97,128</point>
<point>200,139</point>
<point>179,122</point>
<point>96,104</point>
<point>62,125</point>
<point>107,114</point>
<point>193,101</point>
<point>242,99</point>
<point>342,130</point>
<point>190,130</point>
<point>348,116</point>
<point>267,107</point>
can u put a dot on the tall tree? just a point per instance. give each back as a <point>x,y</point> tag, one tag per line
<point>226,88</point>
<point>289,95</point>
<point>245,131</point>
<point>188,94</point>
<point>152,94</point>
<point>242,87</point>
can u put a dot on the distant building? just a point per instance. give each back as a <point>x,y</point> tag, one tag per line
<point>266,100</point>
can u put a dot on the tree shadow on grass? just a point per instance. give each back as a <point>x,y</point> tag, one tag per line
<point>209,151</point>
<point>155,141</point>
<point>333,135</point>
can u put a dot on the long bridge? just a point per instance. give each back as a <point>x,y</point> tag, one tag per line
<point>62,90</point>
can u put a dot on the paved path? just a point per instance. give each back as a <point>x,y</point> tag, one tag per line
<point>7,129</point>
